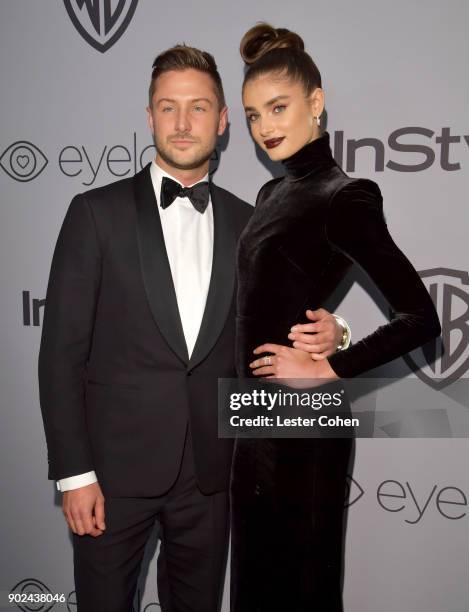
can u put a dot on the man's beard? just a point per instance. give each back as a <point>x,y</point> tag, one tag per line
<point>195,163</point>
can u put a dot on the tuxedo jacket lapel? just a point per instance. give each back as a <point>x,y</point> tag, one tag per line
<point>220,293</point>
<point>154,262</point>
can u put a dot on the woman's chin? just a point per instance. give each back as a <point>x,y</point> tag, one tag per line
<point>275,154</point>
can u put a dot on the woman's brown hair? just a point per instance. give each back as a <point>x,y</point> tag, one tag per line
<point>267,49</point>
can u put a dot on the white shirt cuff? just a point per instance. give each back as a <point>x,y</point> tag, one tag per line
<point>75,482</point>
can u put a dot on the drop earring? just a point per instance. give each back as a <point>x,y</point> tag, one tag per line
<point>318,121</point>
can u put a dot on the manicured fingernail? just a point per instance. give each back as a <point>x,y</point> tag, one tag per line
<point>294,328</point>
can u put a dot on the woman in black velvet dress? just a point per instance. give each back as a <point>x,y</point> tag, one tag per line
<point>308,228</point>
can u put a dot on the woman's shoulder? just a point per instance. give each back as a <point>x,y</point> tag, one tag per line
<point>352,189</point>
<point>355,209</point>
<point>267,188</point>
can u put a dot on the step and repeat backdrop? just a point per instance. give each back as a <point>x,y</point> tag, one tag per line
<point>75,76</point>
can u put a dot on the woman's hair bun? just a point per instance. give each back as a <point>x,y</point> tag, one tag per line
<point>263,38</point>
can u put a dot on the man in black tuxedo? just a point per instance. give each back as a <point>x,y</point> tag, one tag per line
<point>138,327</point>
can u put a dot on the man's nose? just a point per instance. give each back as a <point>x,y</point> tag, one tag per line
<point>183,123</point>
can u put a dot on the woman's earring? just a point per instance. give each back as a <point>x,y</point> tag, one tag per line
<point>318,120</point>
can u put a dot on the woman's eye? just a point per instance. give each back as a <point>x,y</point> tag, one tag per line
<point>279,108</point>
<point>252,118</point>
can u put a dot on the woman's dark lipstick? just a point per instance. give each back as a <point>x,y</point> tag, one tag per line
<point>273,142</point>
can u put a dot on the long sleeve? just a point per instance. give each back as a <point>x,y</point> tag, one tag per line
<point>356,227</point>
<point>71,301</point>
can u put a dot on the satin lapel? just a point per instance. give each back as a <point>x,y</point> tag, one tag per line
<point>220,293</point>
<point>154,263</point>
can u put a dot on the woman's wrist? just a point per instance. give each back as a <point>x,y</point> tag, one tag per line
<point>346,333</point>
<point>323,369</point>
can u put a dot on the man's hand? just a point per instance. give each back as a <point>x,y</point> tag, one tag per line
<point>320,338</point>
<point>83,509</point>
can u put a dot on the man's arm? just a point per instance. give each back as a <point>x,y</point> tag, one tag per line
<point>71,301</point>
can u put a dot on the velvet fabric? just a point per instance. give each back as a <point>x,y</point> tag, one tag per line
<point>288,495</point>
<point>308,228</point>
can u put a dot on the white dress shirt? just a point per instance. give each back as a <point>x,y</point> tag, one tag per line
<point>188,237</point>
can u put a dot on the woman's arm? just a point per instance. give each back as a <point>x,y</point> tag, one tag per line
<point>356,227</point>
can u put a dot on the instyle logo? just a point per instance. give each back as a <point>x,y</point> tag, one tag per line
<point>23,161</point>
<point>417,149</point>
<point>32,310</point>
<point>443,360</point>
<point>101,22</point>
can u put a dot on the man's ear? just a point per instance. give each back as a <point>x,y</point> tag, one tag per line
<point>150,118</point>
<point>223,120</point>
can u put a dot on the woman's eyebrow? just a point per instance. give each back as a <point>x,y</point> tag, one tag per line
<point>268,103</point>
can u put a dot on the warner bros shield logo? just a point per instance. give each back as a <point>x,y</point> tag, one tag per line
<point>101,22</point>
<point>443,360</point>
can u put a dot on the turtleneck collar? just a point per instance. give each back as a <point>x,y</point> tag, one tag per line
<point>314,155</point>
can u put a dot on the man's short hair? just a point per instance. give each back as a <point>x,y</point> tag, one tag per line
<point>182,57</point>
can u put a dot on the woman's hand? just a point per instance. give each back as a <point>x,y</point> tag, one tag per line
<point>286,362</point>
<point>319,338</point>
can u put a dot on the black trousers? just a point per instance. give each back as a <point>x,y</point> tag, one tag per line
<point>191,563</point>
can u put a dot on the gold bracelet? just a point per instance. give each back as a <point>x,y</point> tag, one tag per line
<point>346,333</point>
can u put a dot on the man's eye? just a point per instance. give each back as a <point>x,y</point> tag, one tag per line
<point>166,109</point>
<point>199,109</point>
<point>279,108</point>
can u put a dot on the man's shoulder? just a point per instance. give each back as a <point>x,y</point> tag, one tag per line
<point>112,201</point>
<point>116,190</point>
<point>238,205</point>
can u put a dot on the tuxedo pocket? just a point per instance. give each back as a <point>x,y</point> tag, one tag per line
<point>112,416</point>
<point>111,385</point>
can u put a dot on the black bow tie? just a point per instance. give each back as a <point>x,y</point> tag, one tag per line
<point>197,194</point>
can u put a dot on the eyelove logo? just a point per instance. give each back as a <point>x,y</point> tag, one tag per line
<point>353,491</point>
<point>101,22</point>
<point>443,360</point>
<point>23,161</point>
<point>413,501</point>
